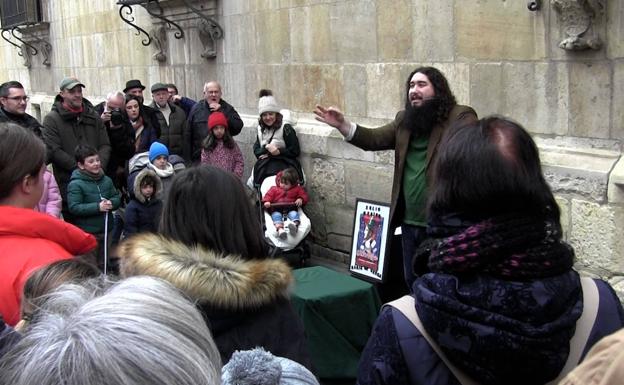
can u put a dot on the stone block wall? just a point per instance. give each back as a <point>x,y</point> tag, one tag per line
<point>498,56</point>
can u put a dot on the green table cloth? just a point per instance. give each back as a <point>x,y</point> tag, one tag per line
<point>338,312</point>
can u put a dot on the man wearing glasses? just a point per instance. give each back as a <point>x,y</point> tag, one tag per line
<point>13,103</point>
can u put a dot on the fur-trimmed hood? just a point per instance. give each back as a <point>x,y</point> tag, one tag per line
<point>228,282</point>
<point>158,186</point>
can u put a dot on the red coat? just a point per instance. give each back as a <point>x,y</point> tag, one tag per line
<point>29,240</point>
<point>276,194</point>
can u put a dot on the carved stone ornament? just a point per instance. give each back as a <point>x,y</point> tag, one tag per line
<point>159,38</point>
<point>26,56</point>
<point>208,34</point>
<point>29,37</point>
<point>577,18</point>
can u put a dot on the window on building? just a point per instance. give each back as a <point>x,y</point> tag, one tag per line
<point>19,12</point>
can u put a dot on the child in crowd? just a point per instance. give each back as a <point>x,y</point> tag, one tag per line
<point>286,191</point>
<point>143,211</point>
<point>219,149</point>
<point>159,161</point>
<point>51,201</point>
<point>90,194</point>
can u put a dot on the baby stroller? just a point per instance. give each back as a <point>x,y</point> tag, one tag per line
<point>294,248</point>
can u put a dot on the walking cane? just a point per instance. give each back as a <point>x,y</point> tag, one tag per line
<point>105,238</point>
<point>105,242</point>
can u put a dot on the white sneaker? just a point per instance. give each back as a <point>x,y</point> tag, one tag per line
<point>292,228</point>
<point>281,233</point>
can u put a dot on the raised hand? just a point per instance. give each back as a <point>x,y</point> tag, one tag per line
<point>334,117</point>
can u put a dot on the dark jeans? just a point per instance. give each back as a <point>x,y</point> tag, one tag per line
<point>411,238</point>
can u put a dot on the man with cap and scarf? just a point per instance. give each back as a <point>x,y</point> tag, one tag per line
<point>72,121</point>
<point>172,119</point>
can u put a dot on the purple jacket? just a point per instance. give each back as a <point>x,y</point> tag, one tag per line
<point>397,353</point>
<point>51,200</point>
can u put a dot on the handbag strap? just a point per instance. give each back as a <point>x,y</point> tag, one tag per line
<point>406,305</point>
<point>584,326</point>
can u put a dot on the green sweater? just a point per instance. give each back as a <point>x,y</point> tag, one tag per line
<point>84,193</point>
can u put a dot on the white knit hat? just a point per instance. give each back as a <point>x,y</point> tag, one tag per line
<point>267,104</point>
<point>259,367</point>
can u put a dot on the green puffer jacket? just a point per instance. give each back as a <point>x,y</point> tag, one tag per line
<point>84,194</point>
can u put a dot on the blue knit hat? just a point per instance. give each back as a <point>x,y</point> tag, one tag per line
<point>259,367</point>
<point>157,149</point>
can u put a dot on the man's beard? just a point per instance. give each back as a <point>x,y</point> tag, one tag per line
<point>421,119</point>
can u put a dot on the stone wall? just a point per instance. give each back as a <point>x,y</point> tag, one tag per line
<point>499,57</point>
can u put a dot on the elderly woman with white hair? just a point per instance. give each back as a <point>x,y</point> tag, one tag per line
<point>138,331</point>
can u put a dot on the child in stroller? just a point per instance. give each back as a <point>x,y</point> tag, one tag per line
<point>292,245</point>
<point>277,148</point>
<point>284,200</point>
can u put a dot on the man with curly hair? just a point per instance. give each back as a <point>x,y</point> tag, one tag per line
<point>414,134</point>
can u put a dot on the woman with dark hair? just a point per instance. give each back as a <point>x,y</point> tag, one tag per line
<point>210,247</point>
<point>497,300</point>
<point>28,239</point>
<point>144,133</point>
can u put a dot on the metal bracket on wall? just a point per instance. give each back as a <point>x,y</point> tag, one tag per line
<point>44,46</point>
<point>152,7</point>
<point>534,5</point>
<point>209,29</point>
<point>24,49</point>
<point>126,7</point>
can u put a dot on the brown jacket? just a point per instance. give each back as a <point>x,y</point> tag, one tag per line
<point>395,135</point>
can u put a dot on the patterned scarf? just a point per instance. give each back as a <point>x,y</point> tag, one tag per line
<point>513,246</point>
<point>138,127</point>
<point>501,331</point>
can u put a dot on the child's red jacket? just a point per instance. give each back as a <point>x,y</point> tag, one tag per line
<point>277,195</point>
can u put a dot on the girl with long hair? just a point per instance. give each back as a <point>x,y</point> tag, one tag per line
<point>219,148</point>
